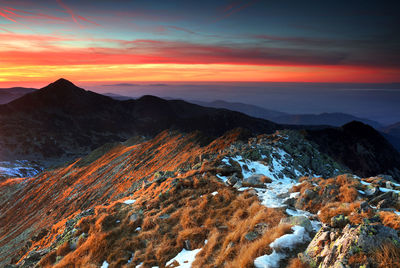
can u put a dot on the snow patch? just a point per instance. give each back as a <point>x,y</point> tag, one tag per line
<point>185,258</point>
<point>223,178</point>
<point>129,201</point>
<point>287,241</point>
<point>382,189</point>
<point>269,261</point>
<point>19,169</point>
<point>105,264</point>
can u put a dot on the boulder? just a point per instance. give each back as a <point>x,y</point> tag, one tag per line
<point>372,191</point>
<point>309,194</point>
<point>298,220</point>
<point>232,180</point>
<point>256,180</point>
<point>333,247</point>
<point>389,196</point>
<point>251,236</point>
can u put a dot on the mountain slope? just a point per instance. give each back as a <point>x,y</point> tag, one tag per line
<point>359,147</point>
<point>147,169</point>
<point>10,94</point>
<point>61,122</point>
<point>150,203</point>
<point>64,121</point>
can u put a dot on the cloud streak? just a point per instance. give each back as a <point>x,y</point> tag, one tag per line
<point>55,50</point>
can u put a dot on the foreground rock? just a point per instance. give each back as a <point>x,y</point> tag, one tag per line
<point>354,245</point>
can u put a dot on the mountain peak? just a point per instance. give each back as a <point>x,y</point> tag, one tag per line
<point>62,82</point>
<point>62,86</point>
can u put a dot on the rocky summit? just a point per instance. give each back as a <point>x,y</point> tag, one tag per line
<point>181,200</point>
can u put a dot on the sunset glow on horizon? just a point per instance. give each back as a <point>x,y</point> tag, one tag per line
<point>240,41</point>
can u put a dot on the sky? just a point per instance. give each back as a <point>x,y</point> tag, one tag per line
<point>97,42</point>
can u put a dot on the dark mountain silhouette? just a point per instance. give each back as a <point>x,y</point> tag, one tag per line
<point>10,94</point>
<point>61,122</point>
<point>359,147</point>
<point>329,119</point>
<point>64,120</point>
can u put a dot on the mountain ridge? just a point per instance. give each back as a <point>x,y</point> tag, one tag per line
<point>62,122</point>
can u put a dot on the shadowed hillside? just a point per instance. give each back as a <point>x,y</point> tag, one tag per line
<point>235,202</point>
<point>61,122</point>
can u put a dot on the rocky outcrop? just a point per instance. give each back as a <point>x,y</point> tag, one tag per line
<point>335,246</point>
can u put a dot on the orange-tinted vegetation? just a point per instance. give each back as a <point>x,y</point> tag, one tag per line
<point>339,195</point>
<point>171,178</point>
<point>187,214</point>
<point>390,219</point>
<point>387,256</point>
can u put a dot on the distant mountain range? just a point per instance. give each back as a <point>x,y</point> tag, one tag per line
<point>391,133</point>
<point>61,122</point>
<point>10,94</point>
<point>331,119</point>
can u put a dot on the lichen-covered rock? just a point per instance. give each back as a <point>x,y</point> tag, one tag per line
<point>333,247</point>
<point>339,221</point>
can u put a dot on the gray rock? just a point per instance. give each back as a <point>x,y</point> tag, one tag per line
<point>187,245</point>
<point>290,202</point>
<point>390,196</point>
<point>251,236</point>
<point>238,185</point>
<point>232,180</point>
<point>298,220</point>
<point>255,180</point>
<point>372,191</point>
<point>335,249</point>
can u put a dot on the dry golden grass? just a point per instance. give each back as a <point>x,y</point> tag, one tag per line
<point>390,219</point>
<point>48,260</point>
<point>332,209</point>
<point>193,215</point>
<point>334,196</point>
<point>247,252</point>
<point>297,263</point>
<point>64,249</point>
<point>387,256</point>
<point>358,259</point>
